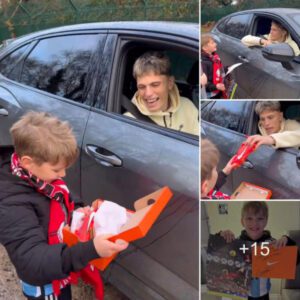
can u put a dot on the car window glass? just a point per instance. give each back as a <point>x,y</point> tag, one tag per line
<point>226,114</point>
<point>9,62</point>
<point>236,26</point>
<point>59,65</point>
<point>222,24</point>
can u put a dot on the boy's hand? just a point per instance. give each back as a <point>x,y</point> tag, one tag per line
<point>220,86</point>
<point>229,167</point>
<point>227,235</point>
<point>86,210</point>
<point>203,79</point>
<point>106,248</point>
<point>280,243</point>
<point>96,204</point>
<point>260,140</point>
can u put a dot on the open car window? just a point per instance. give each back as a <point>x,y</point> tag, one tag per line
<point>184,67</point>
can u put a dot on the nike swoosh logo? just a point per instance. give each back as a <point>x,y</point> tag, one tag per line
<point>241,155</point>
<point>271,263</point>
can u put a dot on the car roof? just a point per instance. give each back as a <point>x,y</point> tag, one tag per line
<point>275,10</point>
<point>190,30</point>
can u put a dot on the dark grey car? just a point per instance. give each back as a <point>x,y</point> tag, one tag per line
<point>272,72</point>
<point>82,73</point>
<point>226,124</point>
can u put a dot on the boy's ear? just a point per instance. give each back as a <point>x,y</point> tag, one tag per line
<point>171,81</point>
<point>26,161</point>
<point>242,222</point>
<point>204,187</point>
<point>281,116</point>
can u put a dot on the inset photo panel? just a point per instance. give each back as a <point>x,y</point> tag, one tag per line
<point>250,250</point>
<point>250,149</point>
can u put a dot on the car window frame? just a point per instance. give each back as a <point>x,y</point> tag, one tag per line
<point>115,89</point>
<point>278,19</point>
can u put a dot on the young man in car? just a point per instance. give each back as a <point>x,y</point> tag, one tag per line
<point>158,97</point>
<point>275,130</point>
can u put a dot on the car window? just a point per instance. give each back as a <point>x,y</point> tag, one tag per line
<point>226,114</point>
<point>185,69</point>
<point>59,65</point>
<point>235,26</point>
<point>8,64</point>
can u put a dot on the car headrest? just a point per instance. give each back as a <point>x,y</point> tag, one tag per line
<point>193,77</point>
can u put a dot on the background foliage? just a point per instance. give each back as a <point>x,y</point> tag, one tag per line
<point>18,17</point>
<point>213,10</point>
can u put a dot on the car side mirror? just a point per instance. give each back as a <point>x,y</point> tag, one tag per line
<point>279,52</point>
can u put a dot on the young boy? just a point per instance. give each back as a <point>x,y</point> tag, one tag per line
<point>210,178</point>
<point>254,218</point>
<point>213,68</point>
<point>35,204</point>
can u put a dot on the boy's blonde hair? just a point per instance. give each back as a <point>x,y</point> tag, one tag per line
<point>44,138</point>
<point>209,159</point>
<point>153,61</point>
<point>255,207</point>
<point>205,39</point>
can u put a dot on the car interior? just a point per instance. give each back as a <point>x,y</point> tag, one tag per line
<point>185,69</point>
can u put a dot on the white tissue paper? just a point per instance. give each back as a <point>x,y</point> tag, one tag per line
<point>109,218</point>
<point>77,220</point>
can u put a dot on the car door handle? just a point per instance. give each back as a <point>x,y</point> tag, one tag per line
<point>3,112</point>
<point>103,156</point>
<point>247,164</point>
<point>243,59</point>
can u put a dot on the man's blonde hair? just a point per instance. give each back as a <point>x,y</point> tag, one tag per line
<point>153,61</point>
<point>209,159</point>
<point>256,207</point>
<point>44,138</point>
<point>283,31</point>
<point>262,106</point>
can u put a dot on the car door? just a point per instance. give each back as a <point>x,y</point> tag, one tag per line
<point>274,169</point>
<point>51,78</point>
<point>257,77</point>
<point>126,159</point>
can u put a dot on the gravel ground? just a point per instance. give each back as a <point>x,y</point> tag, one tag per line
<point>10,288</point>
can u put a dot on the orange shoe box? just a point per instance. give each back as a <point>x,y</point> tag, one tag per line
<point>280,263</point>
<point>147,210</point>
<point>250,191</point>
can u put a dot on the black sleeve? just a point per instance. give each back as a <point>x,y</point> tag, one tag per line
<point>25,240</point>
<point>207,69</point>
<point>222,177</point>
